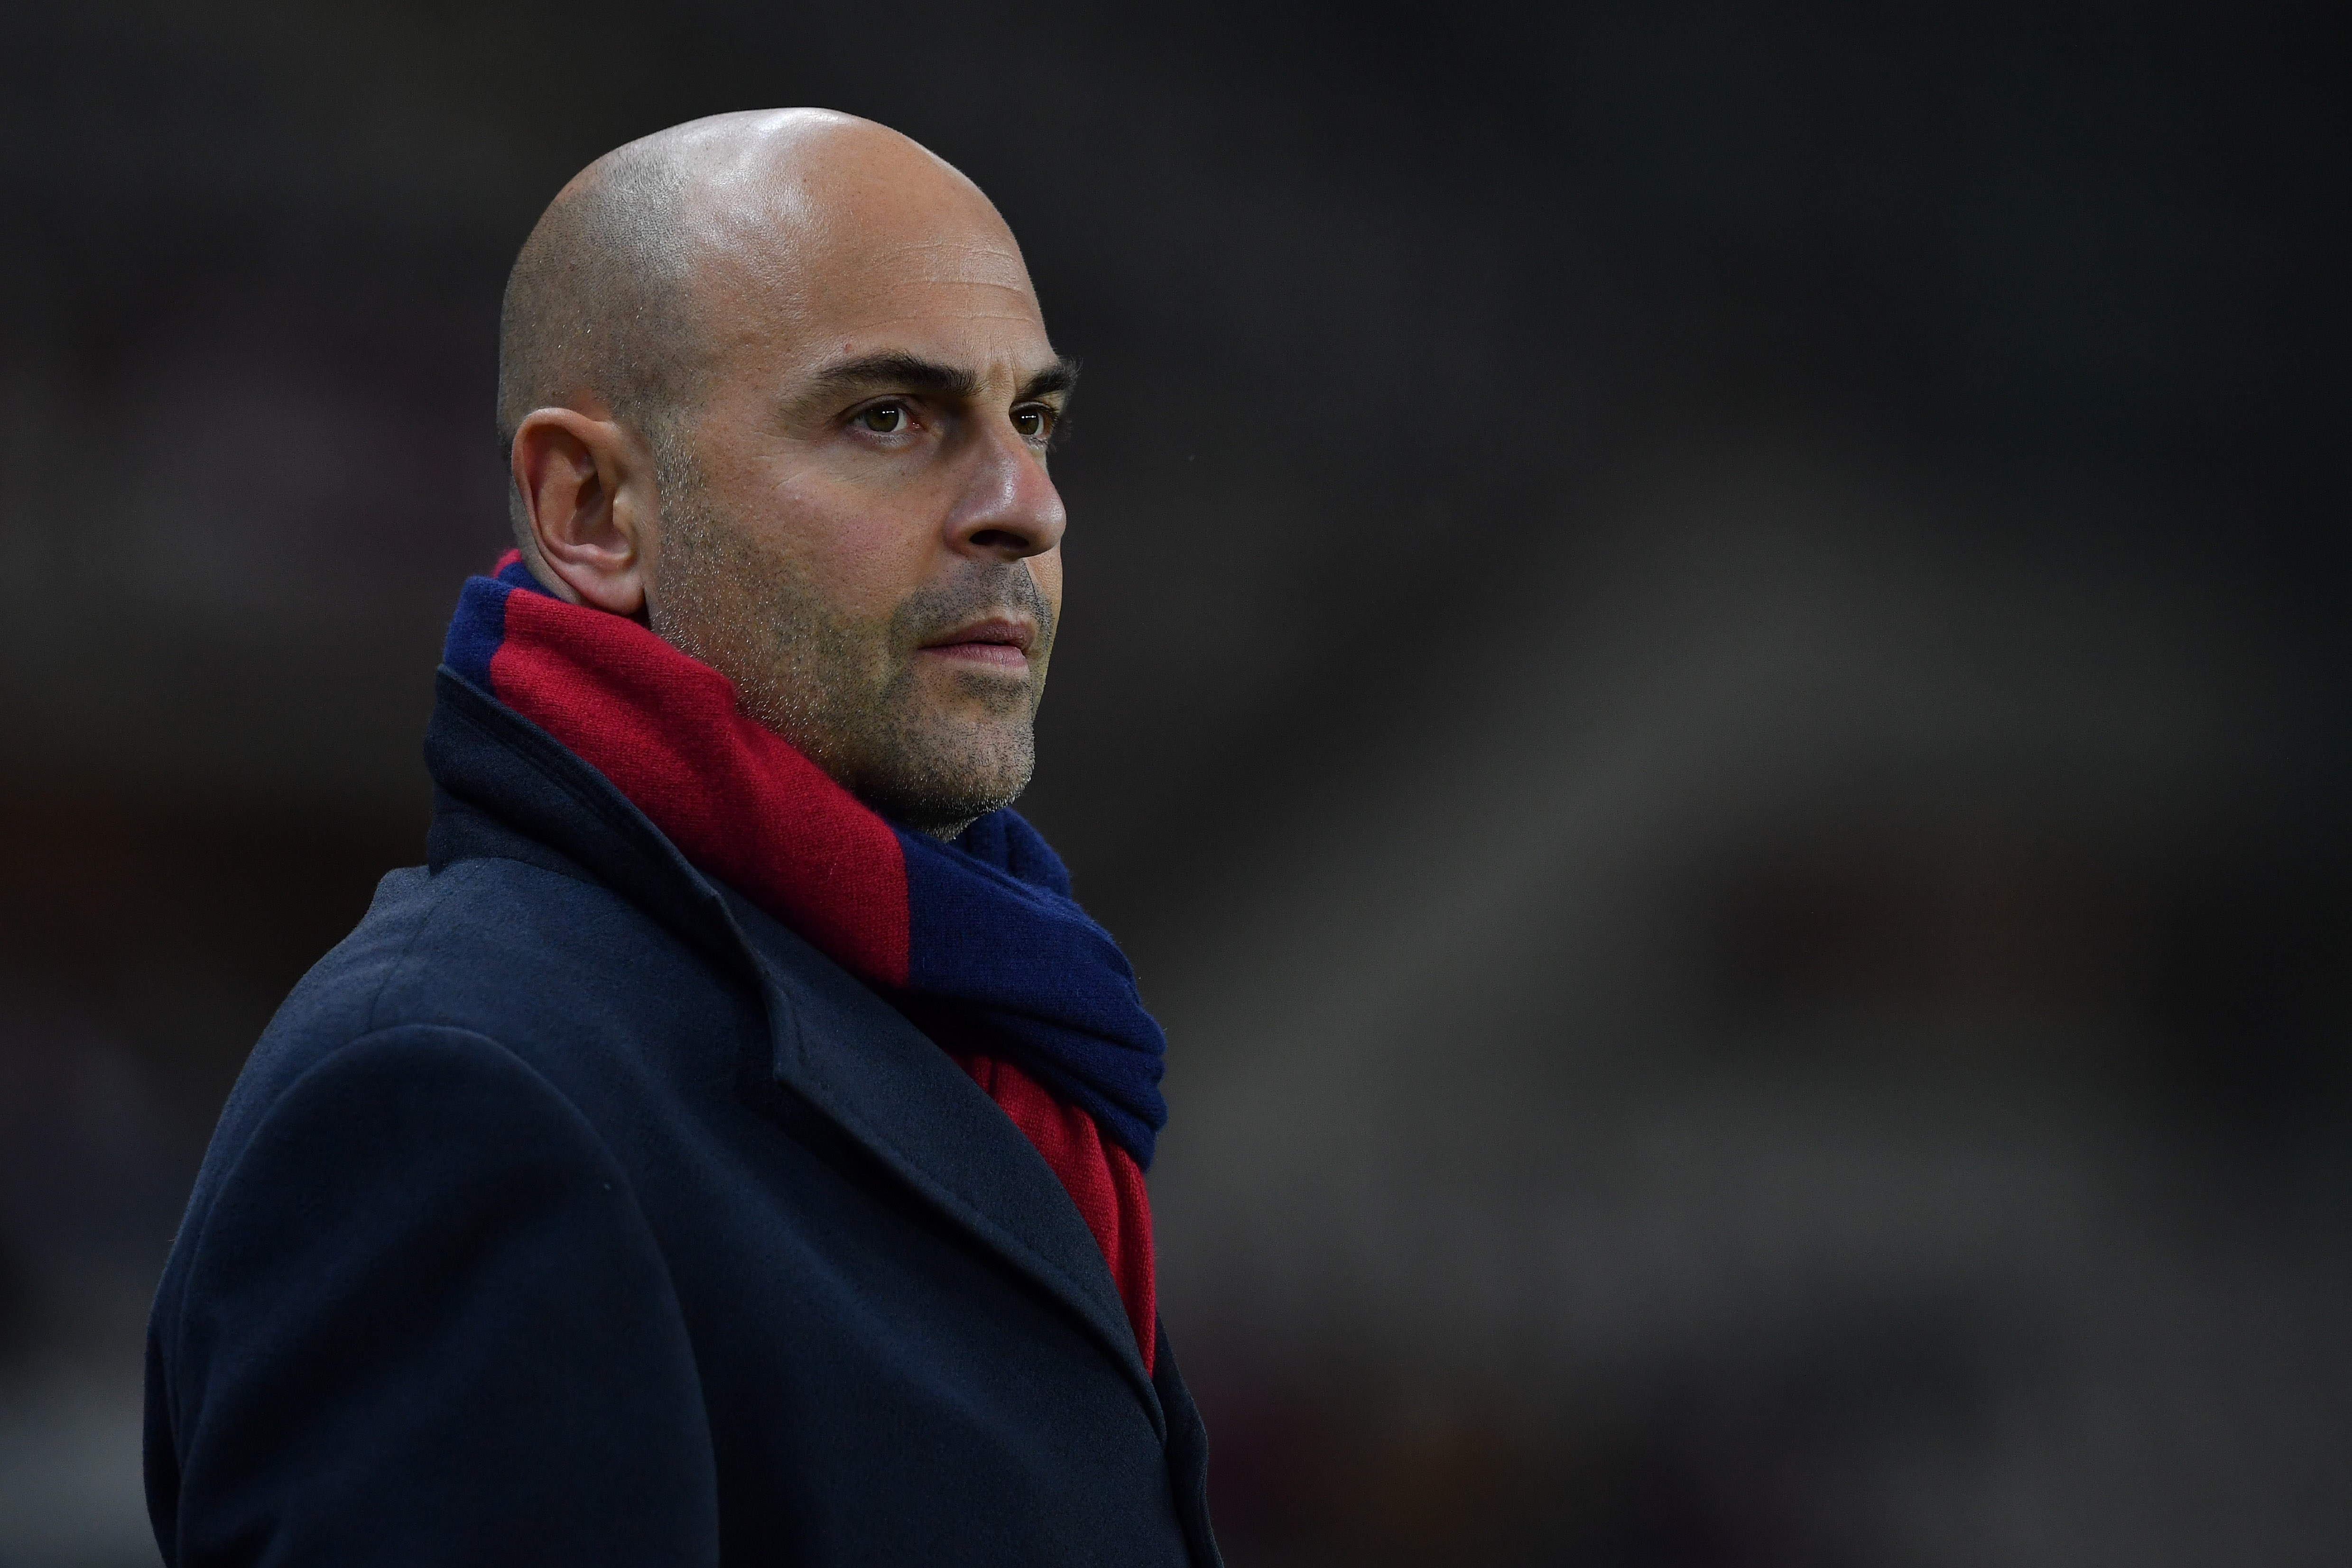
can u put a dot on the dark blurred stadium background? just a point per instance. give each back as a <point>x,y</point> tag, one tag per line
<point>1707,671</point>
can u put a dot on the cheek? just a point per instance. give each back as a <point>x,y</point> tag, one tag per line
<point>1046,570</point>
<point>868,566</point>
<point>847,542</point>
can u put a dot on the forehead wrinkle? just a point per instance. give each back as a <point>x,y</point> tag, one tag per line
<point>814,274</point>
<point>997,281</point>
<point>779,248</point>
<point>1014,255</point>
<point>1000,302</point>
<point>953,280</point>
<point>1008,282</point>
<point>1020,317</point>
<point>994,265</point>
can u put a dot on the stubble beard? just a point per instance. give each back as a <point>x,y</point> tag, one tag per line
<point>847,692</point>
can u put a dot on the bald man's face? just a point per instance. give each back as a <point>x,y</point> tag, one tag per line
<point>856,521</point>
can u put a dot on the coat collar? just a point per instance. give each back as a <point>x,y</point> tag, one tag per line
<point>512,791</point>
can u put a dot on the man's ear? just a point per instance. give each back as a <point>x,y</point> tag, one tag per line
<point>587,485</point>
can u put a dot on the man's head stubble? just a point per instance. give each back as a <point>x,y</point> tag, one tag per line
<point>843,689</point>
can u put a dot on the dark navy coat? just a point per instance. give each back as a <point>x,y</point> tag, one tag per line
<point>574,1211</point>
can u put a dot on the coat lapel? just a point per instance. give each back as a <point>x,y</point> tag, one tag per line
<point>832,1041</point>
<point>885,1083</point>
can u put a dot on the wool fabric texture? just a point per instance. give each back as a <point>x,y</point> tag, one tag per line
<point>979,941</point>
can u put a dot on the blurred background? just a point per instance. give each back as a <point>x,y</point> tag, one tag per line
<point>1706,672</point>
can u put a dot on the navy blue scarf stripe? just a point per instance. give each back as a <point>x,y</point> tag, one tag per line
<point>991,934</point>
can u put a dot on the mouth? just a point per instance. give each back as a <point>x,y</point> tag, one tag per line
<point>999,642</point>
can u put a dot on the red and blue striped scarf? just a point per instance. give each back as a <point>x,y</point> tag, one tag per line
<point>978,940</point>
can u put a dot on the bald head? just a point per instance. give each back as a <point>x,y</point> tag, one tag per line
<point>632,282</point>
<point>777,385</point>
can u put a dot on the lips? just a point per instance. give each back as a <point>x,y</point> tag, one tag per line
<point>998,640</point>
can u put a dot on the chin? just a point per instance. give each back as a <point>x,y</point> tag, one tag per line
<point>945,776</point>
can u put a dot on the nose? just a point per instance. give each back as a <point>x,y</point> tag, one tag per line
<point>1008,507</point>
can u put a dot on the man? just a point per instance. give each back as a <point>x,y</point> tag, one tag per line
<point>729,1146</point>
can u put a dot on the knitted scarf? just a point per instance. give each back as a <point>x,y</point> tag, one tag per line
<point>979,941</point>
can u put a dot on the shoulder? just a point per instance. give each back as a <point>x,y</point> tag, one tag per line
<point>476,945</point>
<point>492,945</point>
<point>413,1204</point>
<point>557,972</point>
<point>485,1008</point>
<point>413,1099</point>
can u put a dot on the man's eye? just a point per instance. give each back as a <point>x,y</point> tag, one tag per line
<point>1034,422</point>
<point>883,418</point>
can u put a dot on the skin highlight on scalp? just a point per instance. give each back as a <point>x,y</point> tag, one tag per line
<point>596,308</point>
<point>776,384</point>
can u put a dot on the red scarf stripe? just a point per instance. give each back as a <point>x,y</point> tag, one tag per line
<point>735,798</point>
<point>743,804</point>
<point>1102,1178</point>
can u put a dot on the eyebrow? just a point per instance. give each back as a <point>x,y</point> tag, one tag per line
<point>912,372</point>
<point>1060,376</point>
